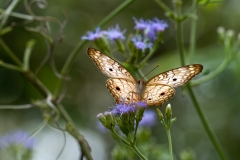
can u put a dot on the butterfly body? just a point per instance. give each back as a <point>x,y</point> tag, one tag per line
<point>126,89</point>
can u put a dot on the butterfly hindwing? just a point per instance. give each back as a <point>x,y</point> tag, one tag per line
<point>178,76</point>
<point>108,66</point>
<point>158,94</point>
<point>122,90</point>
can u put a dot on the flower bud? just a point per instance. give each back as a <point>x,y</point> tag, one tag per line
<point>109,120</point>
<point>168,111</point>
<point>221,33</point>
<point>160,115</point>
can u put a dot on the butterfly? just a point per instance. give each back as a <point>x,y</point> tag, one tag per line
<point>126,89</point>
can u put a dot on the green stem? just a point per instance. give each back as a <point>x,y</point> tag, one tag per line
<point>119,137</point>
<point>207,128</point>
<point>19,15</point>
<point>170,143</point>
<point>163,6</point>
<point>192,47</point>
<point>201,116</point>
<point>135,133</point>
<point>24,106</point>
<point>73,54</point>
<point>212,75</point>
<point>138,152</point>
<point>8,11</point>
<point>180,42</point>
<point>27,53</point>
<point>10,66</point>
<point>10,53</point>
<point>149,55</point>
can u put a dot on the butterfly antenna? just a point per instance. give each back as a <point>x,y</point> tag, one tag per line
<point>151,70</point>
<point>134,69</point>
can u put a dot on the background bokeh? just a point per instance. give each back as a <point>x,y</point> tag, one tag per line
<point>87,95</point>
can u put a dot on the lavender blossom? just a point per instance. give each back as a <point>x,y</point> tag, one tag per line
<point>115,33</point>
<point>141,43</point>
<point>141,24</point>
<point>91,36</point>
<point>149,119</point>
<point>17,138</point>
<point>123,108</point>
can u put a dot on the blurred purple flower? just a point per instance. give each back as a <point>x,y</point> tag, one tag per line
<point>115,33</point>
<point>150,27</point>
<point>17,138</point>
<point>141,43</point>
<point>91,36</point>
<point>123,108</point>
<point>149,119</point>
<point>141,24</point>
<point>158,25</point>
<point>142,104</point>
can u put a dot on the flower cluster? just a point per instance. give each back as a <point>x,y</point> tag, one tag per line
<point>146,39</point>
<point>124,115</point>
<point>151,28</point>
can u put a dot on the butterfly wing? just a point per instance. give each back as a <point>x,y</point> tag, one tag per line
<point>156,95</point>
<point>108,66</point>
<point>123,90</point>
<point>178,76</point>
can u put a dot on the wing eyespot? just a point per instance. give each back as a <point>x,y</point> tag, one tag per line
<point>110,69</point>
<point>174,79</point>
<point>162,94</point>
<point>149,99</point>
<point>117,88</point>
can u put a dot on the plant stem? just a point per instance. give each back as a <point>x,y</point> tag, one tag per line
<point>180,42</point>
<point>205,124</point>
<point>170,143</point>
<point>212,75</point>
<point>138,152</point>
<point>19,15</point>
<point>201,116</point>
<point>8,11</point>
<point>122,139</point>
<point>192,47</point>
<point>10,53</point>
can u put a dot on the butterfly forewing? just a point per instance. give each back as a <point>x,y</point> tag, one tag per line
<point>157,94</point>
<point>122,90</point>
<point>108,66</point>
<point>178,76</point>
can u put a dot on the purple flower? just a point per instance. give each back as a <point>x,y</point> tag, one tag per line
<point>17,138</point>
<point>158,25</point>
<point>149,119</point>
<point>115,33</point>
<point>91,36</point>
<point>151,27</point>
<point>142,104</point>
<point>141,24</point>
<point>141,43</point>
<point>123,108</point>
